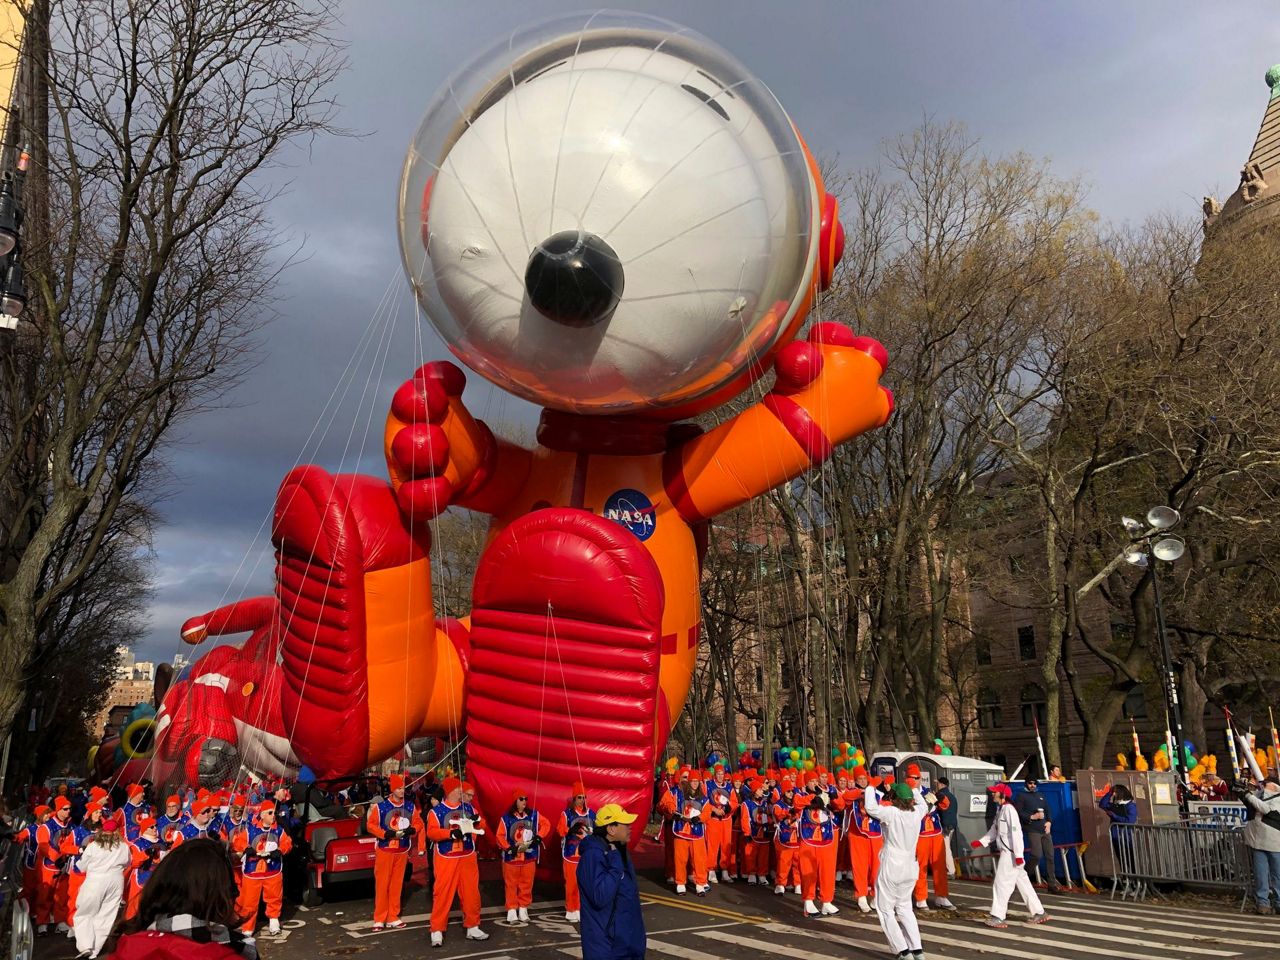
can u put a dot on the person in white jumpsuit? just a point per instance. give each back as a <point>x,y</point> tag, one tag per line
<point>104,860</point>
<point>900,824</point>
<point>1006,835</point>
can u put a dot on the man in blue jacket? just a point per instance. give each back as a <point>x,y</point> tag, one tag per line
<point>611,924</point>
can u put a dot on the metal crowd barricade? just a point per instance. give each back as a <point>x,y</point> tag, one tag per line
<point>1205,852</point>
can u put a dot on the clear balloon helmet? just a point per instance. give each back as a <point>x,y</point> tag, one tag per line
<point>608,214</point>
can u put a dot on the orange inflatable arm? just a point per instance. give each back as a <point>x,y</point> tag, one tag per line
<point>827,391</point>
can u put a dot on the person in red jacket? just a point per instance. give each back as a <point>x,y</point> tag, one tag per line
<point>262,843</point>
<point>818,839</point>
<point>187,910</point>
<point>786,840</point>
<point>522,832</point>
<point>723,801</point>
<point>865,837</point>
<point>757,832</point>
<point>395,822</point>
<point>576,821</point>
<point>29,837</point>
<point>50,898</point>
<point>452,827</point>
<point>931,853</point>
<point>689,812</point>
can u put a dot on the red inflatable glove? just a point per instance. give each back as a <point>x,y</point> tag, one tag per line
<point>976,844</point>
<point>1018,861</point>
<point>435,451</point>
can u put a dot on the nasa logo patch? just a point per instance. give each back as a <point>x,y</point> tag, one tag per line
<point>633,510</point>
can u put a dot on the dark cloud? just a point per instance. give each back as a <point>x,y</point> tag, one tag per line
<point>1152,103</point>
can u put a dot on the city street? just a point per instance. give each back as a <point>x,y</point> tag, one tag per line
<point>738,920</point>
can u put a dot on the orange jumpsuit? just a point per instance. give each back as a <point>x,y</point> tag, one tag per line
<point>262,873</point>
<point>390,854</point>
<point>139,872</point>
<point>723,803</point>
<point>757,834</point>
<point>519,866</point>
<point>818,839</point>
<point>786,847</point>
<point>931,854</point>
<point>865,840</point>
<point>668,829</point>
<point>573,826</point>
<point>457,873</point>
<point>50,889</point>
<point>689,823</point>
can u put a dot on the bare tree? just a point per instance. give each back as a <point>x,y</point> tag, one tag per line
<point>150,258</point>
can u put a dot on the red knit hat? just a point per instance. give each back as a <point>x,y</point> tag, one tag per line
<point>135,790</point>
<point>517,793</point>
<point>450,784</point>
<point>755,783</point>
<point>43,809</point>
<point>173,798</point>
<point>146,823</point>
<point>239,800</point>
<point>397,781</point>
<point>264,806</point>
<point>61,803</point>
<point>110,825</point>
<point>695,776</point>
<point>97,793</point>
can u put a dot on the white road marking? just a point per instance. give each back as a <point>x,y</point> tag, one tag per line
<point>1004,951</point>
<point>978,892</point>
<point>751,943</point>
<point>814,931</point>
<point>1117,919</point>
<point>1043,937</point>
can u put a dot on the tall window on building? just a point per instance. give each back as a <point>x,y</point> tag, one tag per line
<point>1135,703</point>
<point>1033,705</point>
<point>1027,642</point>
<point>989,713</point>
<point>759,677</point>
<point>982,650</point>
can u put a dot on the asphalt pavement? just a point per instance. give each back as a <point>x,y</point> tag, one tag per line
<point>737,920</point>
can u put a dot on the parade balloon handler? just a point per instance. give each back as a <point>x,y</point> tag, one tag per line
<point>262,843</point>
<point>786,841</point>
<point>146,852</point>
<point>452,827</point>
<point>1006,834</point>
<point>689,812</point>
<point>576,822</point>
<point>105,858</point>
<point>865,836</point>
<point>723,801</point>
<point>395,823</point>
<point>521,834</point>
<point>612,923</point>
<point>757,831</point>
<point>818,840</point>
<point>1262,836</point>
<point>900,821</point>
<point>50,892</point>
<point>931,853</point>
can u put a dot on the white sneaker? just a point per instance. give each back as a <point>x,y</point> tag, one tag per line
<point>273,925</point>
<point>779,889</point>
<point>680,889</point>
<point>711,875</point>
<point>524,914</point>
<point>863,905</point>
<point>799,889</point>
<point>751,878</point>
<point>437,938</point>
<point>724,875</point>
<point>574,917</point>
<point>829,909</point>
<point>475,933</point>
<point>810,908</point>
<point>701,890</point>
<point>42,929</point>
<point>62,928</point>
<point>943,903</point>
<point>922,905</point>
<point>513,916</point>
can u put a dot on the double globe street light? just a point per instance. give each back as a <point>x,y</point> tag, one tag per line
<point>1152,542</point>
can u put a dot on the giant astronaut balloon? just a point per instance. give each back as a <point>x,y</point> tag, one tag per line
<point>609,216</point>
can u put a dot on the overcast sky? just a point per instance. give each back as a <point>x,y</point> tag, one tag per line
<point>1154,104</point>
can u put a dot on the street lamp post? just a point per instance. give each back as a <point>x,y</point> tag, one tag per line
<point>1169,548</point>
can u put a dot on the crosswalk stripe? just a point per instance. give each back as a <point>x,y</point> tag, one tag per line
<point>1069,914</point>
<point>1045,937</point>
<point>760,946</point>
<point>981,893</point>
<point>877,946</point>
<point>981,947</point>
<point>1114,910</point>
<point>672,950</point>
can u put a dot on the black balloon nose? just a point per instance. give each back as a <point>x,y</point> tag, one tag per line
<point>574,278</point>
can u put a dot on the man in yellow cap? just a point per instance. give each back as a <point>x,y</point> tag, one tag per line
<point>611,924</point>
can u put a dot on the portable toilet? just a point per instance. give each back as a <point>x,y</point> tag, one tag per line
<point>1064,807</point>
<point>969,779</point>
